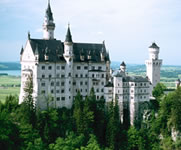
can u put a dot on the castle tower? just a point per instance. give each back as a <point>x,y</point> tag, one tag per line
<point>68,55</point>
<point>48,24</point>
<point>123,67</point>
<point>153,64</point>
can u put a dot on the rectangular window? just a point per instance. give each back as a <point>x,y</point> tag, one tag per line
<point>42,84</point>
<point>43,91</point>
<point>100,68</point>
<point>74,83</point>
<point>85,67</point>
<point>81,83</point>
<point>85,82</point>
<point>62,84</point>
<point>62,91</point>
<point>63,67</point>
<point>78,67</point>
<point>63,98</point>
<point>43,76</point>
<point>52,83</point>
<point>62,76</point>
<point>102,75</point>
<point>81,75</point>
<point>58,91</point>
<point>58,98</point>
<point>86,75</point>
<point>76,75</point>
<point>58,67</point>
<point>58,75</point>
<point>52,91</point>
<point>58,83</point>
<point>92,75</point>
<point>93,68</point>
<point>49,67</point>
<point>69,74</point>
<point>43,67</point>
<point>50,76</point>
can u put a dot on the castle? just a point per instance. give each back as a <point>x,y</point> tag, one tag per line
<point>61,69</point>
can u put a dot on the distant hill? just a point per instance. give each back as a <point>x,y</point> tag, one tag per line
<point>10,66</point>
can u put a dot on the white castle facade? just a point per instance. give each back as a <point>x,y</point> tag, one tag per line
<point>61,69</point>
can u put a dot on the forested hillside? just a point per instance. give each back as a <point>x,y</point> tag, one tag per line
<point>89,125</point>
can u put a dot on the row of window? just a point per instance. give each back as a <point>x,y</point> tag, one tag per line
<point>78,67</point>
<point>133,84</point>
<point>76,75</point>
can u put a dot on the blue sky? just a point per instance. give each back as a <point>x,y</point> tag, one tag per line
<point>127,26</point>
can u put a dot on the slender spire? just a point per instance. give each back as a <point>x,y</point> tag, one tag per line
<point>68,35</point>
<point>49,13</point>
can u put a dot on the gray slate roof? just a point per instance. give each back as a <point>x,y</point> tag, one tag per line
<point>154,46</point>
<point>55,49</point>
<point>135,79</point>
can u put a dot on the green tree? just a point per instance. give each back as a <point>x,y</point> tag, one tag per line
<point>113,126</point>
<point>29,100</point>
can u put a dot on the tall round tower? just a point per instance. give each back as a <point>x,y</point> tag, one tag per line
<point>153,65</point>
<point>48,24</point>
<point>68,55</point>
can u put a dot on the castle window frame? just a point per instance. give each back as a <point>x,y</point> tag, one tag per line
<point>57,91</point>
<point>85,82</point>
<point>76,75</point>
<point>49,67</point>
<point>78,67</point>
<point>58,98</point>
<point>52,83</point>
<point>49,75</point>
<point>99,68</point>
<point>62,76</point>
<point>85,67</point>
<point>43,76</point>
<point>81,83</point>
<point>63,98</point>
<point>102,75</point>
<point>81,75</point>
<point>102,90</point>
<point>69,74</point>
<point>58,67</point>
<point>62,83</point>
<point>43,84</point>
<point>63,67</point>
<point>43,67</point>
<point>93,67</point>
<point>52,91</point>
<point>62,91</point>
<point>57,83</point>
<point>58,75</point>
<point>43,92</point>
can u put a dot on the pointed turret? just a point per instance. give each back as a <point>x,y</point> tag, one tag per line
<point>49,13</point>
<point>68,37</point>
<point>68,44</point>
<point>123,67</point>
<point>48,25</point>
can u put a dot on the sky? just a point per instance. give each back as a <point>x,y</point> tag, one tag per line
<point>128,26</point>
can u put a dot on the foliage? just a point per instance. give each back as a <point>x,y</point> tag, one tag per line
<point>89,124</point>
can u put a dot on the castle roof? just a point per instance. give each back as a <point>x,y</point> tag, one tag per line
<point>135,79</point>
<point>123,64</point>
<point>55,49</point>
<point>154,46</point>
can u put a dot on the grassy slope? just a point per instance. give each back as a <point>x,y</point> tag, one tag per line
<point>7,86</point>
